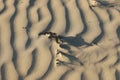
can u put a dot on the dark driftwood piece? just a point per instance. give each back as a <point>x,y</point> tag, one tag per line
<point>52,36</point>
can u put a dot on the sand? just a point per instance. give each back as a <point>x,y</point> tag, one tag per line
<point>91,40</point>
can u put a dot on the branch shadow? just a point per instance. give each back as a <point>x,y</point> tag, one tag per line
<point>65,47</point>
<point>105,3</point>
<point>76,41</point>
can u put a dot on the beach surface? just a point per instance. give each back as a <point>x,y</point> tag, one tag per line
<point>88,49</point>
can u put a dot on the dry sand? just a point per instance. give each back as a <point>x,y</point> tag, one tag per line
<point>91,35</point>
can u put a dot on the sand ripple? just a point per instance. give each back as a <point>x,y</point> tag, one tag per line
<point>91,40</point>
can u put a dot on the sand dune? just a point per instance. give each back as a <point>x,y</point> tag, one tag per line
<point>90,33</point>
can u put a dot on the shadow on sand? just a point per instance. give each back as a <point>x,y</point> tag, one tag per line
<point>76,41</point>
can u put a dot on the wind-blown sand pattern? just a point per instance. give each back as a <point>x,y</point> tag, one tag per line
<point>90,33</point>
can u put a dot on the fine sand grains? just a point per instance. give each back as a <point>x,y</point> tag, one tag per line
<point>89,35</point>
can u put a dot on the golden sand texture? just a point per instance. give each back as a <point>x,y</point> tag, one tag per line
<point>90,32</point>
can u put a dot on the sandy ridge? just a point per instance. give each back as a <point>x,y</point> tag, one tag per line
<point>21,22</point>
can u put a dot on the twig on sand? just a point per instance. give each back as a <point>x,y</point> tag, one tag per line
<point>52,35</point>
<point>70,57</point>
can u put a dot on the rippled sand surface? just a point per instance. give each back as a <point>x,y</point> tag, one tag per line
<point>91,40</point>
